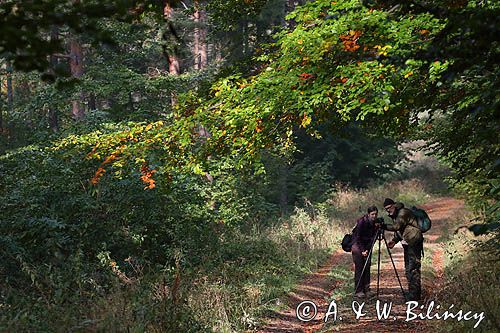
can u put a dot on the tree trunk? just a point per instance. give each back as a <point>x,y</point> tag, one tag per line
<point>53,119</point>
<point>200,37</point>
<point>10,89</point>
<point>76,64</point>
<point>131,102</point>
<point>174,67</point>
<point>283,186</point>
<point>219,59</point>
<point>245,37</point>
<point>1,110</point>
<point>92,102</point>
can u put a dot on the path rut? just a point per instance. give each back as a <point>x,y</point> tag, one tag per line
<point>318,287</point>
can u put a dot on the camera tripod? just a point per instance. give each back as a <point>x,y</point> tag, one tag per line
<point>379,236</point>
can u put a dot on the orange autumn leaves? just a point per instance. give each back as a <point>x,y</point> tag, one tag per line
<point>131,136</point>
<point>100,171</point>
<point>350,40</point>
<point>97,176</point>
<point>146,172</point>
<point>147,176</point>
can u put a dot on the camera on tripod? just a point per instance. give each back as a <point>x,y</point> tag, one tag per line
<point>379,221</point>
<point>380,237</point>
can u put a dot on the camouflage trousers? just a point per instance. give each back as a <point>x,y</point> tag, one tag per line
<point>413,258</point>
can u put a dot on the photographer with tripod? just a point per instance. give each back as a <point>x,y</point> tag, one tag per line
<point>362,240</point>
<point>407,231</point>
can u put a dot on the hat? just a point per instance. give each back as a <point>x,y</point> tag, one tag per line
<point>388,202</point>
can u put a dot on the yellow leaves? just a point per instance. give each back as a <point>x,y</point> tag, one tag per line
<point>121,142</point>
<point>306,120</point>
<point>383,50</point>
<point>407,75</point>
<point>327,45</point>
<point>299,42</point>
<point>197,169</point>
<point>111,158</point>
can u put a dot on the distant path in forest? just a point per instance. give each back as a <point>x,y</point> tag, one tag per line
<point>319,286</point>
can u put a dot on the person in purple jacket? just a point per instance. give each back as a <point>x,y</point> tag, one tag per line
<point>362,239</point>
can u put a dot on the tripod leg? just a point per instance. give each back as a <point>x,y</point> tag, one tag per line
<point>366,262</point>
<point>378,268</point>
<point>394,266</point>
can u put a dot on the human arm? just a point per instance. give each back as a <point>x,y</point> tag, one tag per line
<point>356,232</point>
<point>396,226</point>
<point>395,239</point>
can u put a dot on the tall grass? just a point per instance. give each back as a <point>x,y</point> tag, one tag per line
<point>345,205</point>
<point>248,275</point>
<point>471,279</point>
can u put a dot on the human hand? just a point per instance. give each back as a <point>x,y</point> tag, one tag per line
<point>364,253</point>
<point>391,244</point>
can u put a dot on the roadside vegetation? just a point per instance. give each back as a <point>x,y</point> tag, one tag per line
<point>180,165</point>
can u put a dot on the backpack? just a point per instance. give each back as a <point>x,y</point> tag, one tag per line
<point>347,241</point>
<point>423,220</point>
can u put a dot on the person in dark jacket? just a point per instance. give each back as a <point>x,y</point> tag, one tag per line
<point>362,240</point>
<point>406,230</point>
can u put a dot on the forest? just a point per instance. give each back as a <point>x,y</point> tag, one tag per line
<point>192,166</point>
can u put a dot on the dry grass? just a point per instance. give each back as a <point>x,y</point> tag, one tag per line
<point>472,277</point>
<point>253,270</point>
<point>346,205</point>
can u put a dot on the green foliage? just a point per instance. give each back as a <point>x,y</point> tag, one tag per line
<point>77,246</point>
<point>104,220</point>
<point>233,11</point>
<point>324,71</point>
<point>463,127</point>
<point>29,46</point>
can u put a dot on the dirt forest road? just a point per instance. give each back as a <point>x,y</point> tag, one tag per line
<point>321,286</point>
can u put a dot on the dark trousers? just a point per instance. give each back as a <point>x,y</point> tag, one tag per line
<point>413,257</point>
<point>359,263</point>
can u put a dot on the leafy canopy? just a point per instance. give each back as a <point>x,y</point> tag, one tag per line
<point>343,62</point>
